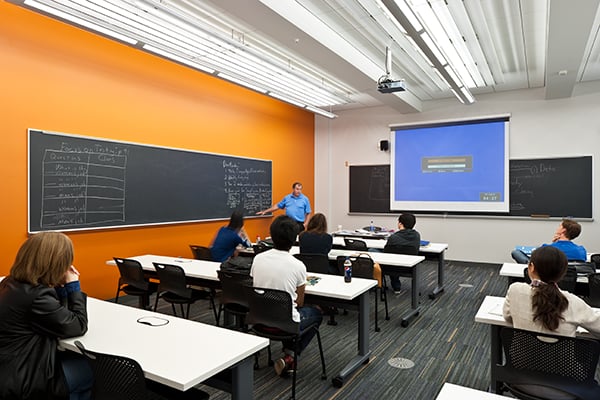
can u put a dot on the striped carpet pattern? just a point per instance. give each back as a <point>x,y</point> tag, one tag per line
<point>443,342</point>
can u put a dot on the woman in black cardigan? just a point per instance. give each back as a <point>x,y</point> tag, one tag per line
<point>41,302</point>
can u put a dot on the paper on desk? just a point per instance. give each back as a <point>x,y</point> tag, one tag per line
<point>497,309</point>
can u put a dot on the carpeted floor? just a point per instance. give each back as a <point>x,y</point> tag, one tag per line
<point>443,344</point>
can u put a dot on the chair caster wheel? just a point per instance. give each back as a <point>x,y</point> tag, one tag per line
<point>404,323</point>
<point>377,329</point>
<point>337,382</point>
<point>323,377</point>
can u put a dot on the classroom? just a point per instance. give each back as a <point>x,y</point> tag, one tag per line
<point>59,78</point>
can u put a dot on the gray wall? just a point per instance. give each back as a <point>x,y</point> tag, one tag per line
<point>538,128</point>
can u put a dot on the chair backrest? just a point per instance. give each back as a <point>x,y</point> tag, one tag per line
<point>595,260</point>
<point>541,359</point>
<point>318,263</point>
<point>362,265</point>
<point>115,377</point>
<point>172,279</point>
<point>260,247</point>
<point>355,244</point>
<point>232,287</point>
<point>405,249</point>
<point>568,282</point>
<point>132,273</point>
<point>270,307</point>
<point>593,298</point>
<point>201,252</point>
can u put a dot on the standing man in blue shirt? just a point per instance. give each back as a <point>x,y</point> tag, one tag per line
<point>296,205</point>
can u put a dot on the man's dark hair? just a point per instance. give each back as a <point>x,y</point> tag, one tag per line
<point>236,221</point>
<point>296,184</point>
<point>408,220</point>
<point>283,232</point>
<point>572,228</point>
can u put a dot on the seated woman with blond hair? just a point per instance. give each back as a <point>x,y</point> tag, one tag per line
<point>40,303</point>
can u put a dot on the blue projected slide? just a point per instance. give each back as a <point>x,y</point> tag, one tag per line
<point>456,166</point>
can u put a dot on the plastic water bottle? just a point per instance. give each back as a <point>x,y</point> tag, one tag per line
<point>347,270</point>
<point>372,227</point>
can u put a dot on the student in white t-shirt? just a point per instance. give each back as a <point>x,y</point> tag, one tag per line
<point>278,269</point>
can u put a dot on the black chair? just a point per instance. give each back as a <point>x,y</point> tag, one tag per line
<point>122,378</point>
<point>534,361</point>
<point>270,316</point>
<point>363,267</point>
<point>568,282</point>
<point>318,263</point>
<point>595,260</point>
<point>593,298</point>
<point>355,244</point>
<point>233,298</point>
<point>201,252</point>
<point>260,247</point>
<point>402,249</point>
<point>133,282</point>
<point>173,288</point>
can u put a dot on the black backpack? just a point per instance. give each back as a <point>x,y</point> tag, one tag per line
<point>238,265</point>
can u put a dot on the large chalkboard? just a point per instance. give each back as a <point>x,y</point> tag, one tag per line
<point>78,182</point>
<point>548,187</point>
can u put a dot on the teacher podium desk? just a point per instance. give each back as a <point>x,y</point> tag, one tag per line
<point>172,351</point>
<point>330,289</point>
<point>432,250</point>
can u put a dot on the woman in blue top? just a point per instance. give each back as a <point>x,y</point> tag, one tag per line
<point>229,237</point>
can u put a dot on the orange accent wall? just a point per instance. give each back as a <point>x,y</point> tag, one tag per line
<point>57,77</point>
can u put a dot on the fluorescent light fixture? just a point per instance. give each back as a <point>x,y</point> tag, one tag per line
<point>286,99</point>
<point>80,21</point>
<point>177,58</point>
<point>409,14</point>
<point>467,94</point>
<point>322,112</point>
<point>241,82</point>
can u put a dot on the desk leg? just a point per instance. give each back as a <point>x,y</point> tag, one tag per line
<point>415,294</point>
<point>495,358</point>
<point>440,286</point>
<point>363,343</point>
<point>242,380</point>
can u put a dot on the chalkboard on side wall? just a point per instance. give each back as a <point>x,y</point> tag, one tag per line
<point>539,187</point>
<point>78,182</point>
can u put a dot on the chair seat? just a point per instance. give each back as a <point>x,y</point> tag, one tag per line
<point>196,295</point>
<point>135,291</point>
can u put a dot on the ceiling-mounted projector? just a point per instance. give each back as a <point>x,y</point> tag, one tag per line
<point>386,84</point>
<point>390,86</point>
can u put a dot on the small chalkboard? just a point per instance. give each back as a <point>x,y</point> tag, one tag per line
<point>555,187</point>
<point>548,187</point>
<point>78,182</point>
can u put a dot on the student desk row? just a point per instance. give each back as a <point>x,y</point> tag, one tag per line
<point>404,264</point>
<point>432,250</point>
<point>172,351</point>
<point>331,290</point>
<point>490,312</point>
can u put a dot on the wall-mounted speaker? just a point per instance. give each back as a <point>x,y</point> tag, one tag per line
<point>384,145</point>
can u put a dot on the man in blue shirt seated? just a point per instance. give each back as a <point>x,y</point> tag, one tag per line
<point>566,232</point>
<point>296,205</point>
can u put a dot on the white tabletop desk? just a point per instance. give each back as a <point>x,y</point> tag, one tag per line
<point>331,289</point>
<point>451,391</point>
<point>514,272</point>
<point>432,250</point>
<point>401,263</point>
<point>490,312</point>
<point>180,354</point>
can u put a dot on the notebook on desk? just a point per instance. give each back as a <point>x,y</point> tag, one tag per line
<point>424,243</point>
<point>527,250</point>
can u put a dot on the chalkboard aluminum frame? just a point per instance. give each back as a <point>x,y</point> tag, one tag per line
<point>34,228</point>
